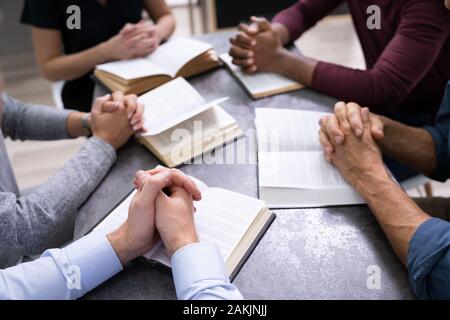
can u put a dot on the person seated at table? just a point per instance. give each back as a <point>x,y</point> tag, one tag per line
<point>108,30</point>
<point>407,57</point>
<point>352,139</point>
<point>69,273</point>
<point>29,223</point>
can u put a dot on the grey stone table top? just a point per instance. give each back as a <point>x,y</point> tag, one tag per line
<point>305,254</point>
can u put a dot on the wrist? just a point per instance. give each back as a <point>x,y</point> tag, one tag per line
<point>368,183</point>
<point>281,58</point>
<point>104,51</point>
<point>124,249</point>
<point>176,244</point>
<point>106,139</point>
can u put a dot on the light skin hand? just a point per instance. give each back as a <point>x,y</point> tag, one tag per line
<point>138,234</point>
<point>356,157</point>
<point>175,219</point>
<point>330,125</point>
<point>174,210</point>
<point>135,114</point>
<point>128,44</point>
<point>112,127</point>
<point>359,161</point>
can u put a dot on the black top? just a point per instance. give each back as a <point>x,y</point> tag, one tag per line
<point>98,24</point>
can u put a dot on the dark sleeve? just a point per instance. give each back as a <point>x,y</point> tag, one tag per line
<point>42,14</point>
<point>304,15</point>
<point>440,133</point>
<point>412,52</point>
<point>429,260</point>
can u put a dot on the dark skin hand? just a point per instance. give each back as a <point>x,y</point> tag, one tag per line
<point>259,47</point>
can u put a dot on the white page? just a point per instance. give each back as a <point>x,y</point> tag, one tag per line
<point>307,170</point>
<point>259,82</point>
<point>176,141</point>
<point>222,218</point>
<point>171,104</point>
<point>174,54</point>
<point>288,130</point>
<point>132,69</point>
<point>168,59</point>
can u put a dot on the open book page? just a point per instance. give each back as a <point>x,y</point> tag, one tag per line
<point>192,132</point>
<point>260,82</point>
<point>307,170</point>
<point>222,218</point>
<point>132,69</point>
<point>174,54</point>
<point>280,130</point>
<point>171,104</point>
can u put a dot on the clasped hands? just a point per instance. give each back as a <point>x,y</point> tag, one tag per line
<point>115,118</point>
<point>133,41</point>
<point>163,208</point>
<point>257,46</point>
<point>349,138</point>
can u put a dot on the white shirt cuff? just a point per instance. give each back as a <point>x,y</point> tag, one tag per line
<point>197,262</point>
<point>95,258</point>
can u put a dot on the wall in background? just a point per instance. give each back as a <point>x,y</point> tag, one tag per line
<point>14,37</point>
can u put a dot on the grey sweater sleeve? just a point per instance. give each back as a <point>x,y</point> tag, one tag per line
<point>26,223</point>
<point>33,122</point>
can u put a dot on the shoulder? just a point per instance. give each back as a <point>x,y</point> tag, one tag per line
<point>43,13</point>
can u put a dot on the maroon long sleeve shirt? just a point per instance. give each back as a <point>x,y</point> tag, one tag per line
<point>407,60</point>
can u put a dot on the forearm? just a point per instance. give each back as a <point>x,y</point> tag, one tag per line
<point>25,121</point>
<point>73,66</point>
<point>28,222</point>
<point>296,67</point>
<point>397,214</point>
<point>411,146</point>
<point>165,26</point>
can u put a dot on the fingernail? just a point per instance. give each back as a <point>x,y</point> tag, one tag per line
<point>253,43</point>
<point>250,54</point>
<point>338,139</point>
<point>250,61</point>
<point>358,132</point>
<point>328,150</point>
<point>136,127</point>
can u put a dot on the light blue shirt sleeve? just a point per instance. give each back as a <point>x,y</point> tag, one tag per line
<point>199,274</point>
<point>59,274</point>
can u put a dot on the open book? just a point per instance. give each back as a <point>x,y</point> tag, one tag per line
<point>260,84</point>
<point>293,171</point>
<point>182,125</point>
<point>180,57</point>
<point>232,221</point>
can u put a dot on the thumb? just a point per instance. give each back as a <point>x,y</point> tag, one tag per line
<point>377,127</point>
<point>263,24</point>
<point>152,185</point>
<point>97,107</point>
